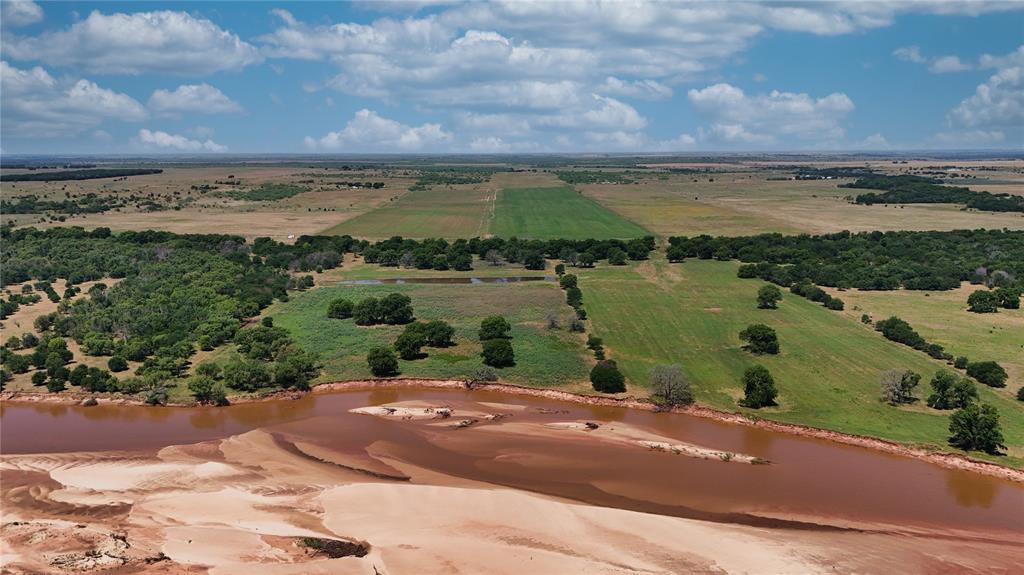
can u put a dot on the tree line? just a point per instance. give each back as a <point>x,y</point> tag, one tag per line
<point>907,189</point>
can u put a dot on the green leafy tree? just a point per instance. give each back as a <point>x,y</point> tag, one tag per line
<point>207,390</point>
<point>340,308</point>
<point>367,312</point>
<point>498,353</point>
<point>438,333</point>
<point>1009,298</point>
<point>950,391</point>
<point>410,343</point>
<point>382,362</point>
<point>39,378</point>
<point>898,386</point>
<point>616,257</point>
<point>760,339</point>
<point>295,368</point>
<point>534,261</point>
<point>117,364</point>
<point>983,301</point>
<point>495,327</point>
<point>768,297</point>
<point>758,388</point>
<point>976,427</point>
<point>246,374</point>
<point>605,377</point>
<point>988,372</point>
<point>396,309</point>
<point>960,362</point>
<point>567,281</point>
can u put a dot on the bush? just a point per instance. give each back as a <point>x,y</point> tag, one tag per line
<point>768,297</point>
<point>1009,298</point>
<point>39,378</point>
<point>760,339</point>
<point>485,373</point>
<point>567,281</point>
<point>950,391</point>
<point>988,372</point>
<point>671,388</point>
<point>498,353</point>
<point>976,427</point>
<point>898,386</point>
<point>960,362</point>
<point>55,385</point>
<point>758,388</point>
<point>382,362</point>
<point>1020,394</point>
<point>560,269</point>
<point>897,330</point>
<point>117,364</point>
<point>246,374</point>
<point>367,311</point>
<point>835,304</point>
<point>574,296</point>
<point>207,390</point>
<point>606,377</point>
<point>983,301</point>
<point>495,327</point>
<point>340,308</point>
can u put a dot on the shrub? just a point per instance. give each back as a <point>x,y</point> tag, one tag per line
<point>897,330</point>
<point>960,362</point>
<point>760,339</point>
<point>246,374</point>
<point>498,353</point>
<point>988,372</point>
<point>1020,394</point>
<point>671,388</point>
<point>340,308</point>
<point>207,390</point>
<point>949,391</point>
<point>267,322</point>
<point>55,385</point>
<point>382,362</point>
<point>983,301</point>
<point>39,378</point>
<point>560,269</point>
<point>768,297</point>
<point>835,304</point>
<point>567,281</point>
<point>594,342</point>
<point>574,296</point>
<point>976,427</point>
<point>758,388</point>
<point>1009,298</point>
<point>117,364</point>
<point>495,327</point>
<point>865,319</point>
<point>485,373</point>
<point>606,377</point>
<point>898,386</point>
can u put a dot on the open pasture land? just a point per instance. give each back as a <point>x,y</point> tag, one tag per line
<point>544,357</point>
<point>460,211</point>
<point>942,317</point>
<point>191,200</point>
<point>560,212</point>
<point>827,372</point>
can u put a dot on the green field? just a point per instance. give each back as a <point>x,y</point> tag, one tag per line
<point>827,371</point>
<point>461,212</point>
<point>546,213</point>
<point>543,357</point>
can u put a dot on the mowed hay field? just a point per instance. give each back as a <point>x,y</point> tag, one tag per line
<point>544,357</point>
<point>827,372</point>
<point>942,317</point>
<point>462,211</point>
<point>558,212</point>
<point>747,202</point>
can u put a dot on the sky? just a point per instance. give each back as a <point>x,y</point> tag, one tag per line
<point>434,77</point>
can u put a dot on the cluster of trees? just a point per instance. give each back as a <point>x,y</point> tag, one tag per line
<point>451,177</point>
<point>593,177</point>
<point>989,301</point>
<point>898,330</point>
<point>870,260</point>
<point>574,299</point>
<point>86,174</point>
<point>91,203</point>
<point>269,192</point>
<point>392,309</point>
<point>907,189</point>
<point>760,339</point>
<point>417,335</point>
<point>496,339</point>
<point>49,358</point>
<point>806,289</point>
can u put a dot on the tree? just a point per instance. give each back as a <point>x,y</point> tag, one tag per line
<point>367,311</point>
<point>396,309</point>
<point>534,261</point>
<point>485,373</point>
<point>340,308</point>
<point>39,378</point>
<point>560,269</point>
<point>835,304</point>
<point>438,333</point>
<point>760,339</point>
<point>671,388</point>
<point>949,391</point>
<point>768,297</point>
<point>207,390</point>
<point>410,343</point>
<point>758,388</point>
<point>983,301</point>
<point>78,375</point>
<point>295,368</point>
<point>637,249</point>
<point>960,362</point>
<point>55,385</point>
<point>1009,298</point>
<point>606,377</point>
<point>898,386</point>
<point>976,427</point>
<point>988,372</point>
<point>1020,394</point>
<point>267,321</point>
<point>495,327</point>
<point>616,257</point>
<point>382,362</point>
<point>246,374</point>
<point>574,296</point>
<point>676,254</point>
<point>97,344</point>
<point>567,281</point>
<point>493,257</point>
<point>498,353</point>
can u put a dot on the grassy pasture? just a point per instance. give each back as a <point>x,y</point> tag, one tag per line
<point>827,371</point>
<point>451,212</point>
<point>560,212</point>
<point>942,317</point>
<point>543,357</point>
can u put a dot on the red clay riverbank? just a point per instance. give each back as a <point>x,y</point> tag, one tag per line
<point>948,460</point>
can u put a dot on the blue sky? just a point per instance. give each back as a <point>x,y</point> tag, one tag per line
<point>430,77</point>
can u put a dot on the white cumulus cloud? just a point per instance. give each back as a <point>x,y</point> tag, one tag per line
<point>20,13</point>
<point>174,142</point>
<point>195,98</point>
<point>369,132</point>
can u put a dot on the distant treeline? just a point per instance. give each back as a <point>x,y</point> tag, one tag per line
<point>89,174</point>
<point>91,203</point>
<point>808,173</point>
<point>450,177</point>
<point>870,260</point>
<point>906,189</point>
<point>593,177</point>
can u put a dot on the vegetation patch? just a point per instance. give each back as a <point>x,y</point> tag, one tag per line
<point>267,193</point>
<point>88,174</point>
<point>907,189</point>
<point>544,213</point>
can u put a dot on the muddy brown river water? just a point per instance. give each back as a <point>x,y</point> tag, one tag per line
<point>807,479</point>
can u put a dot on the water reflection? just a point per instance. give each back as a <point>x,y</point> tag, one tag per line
<point>971,493</point>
